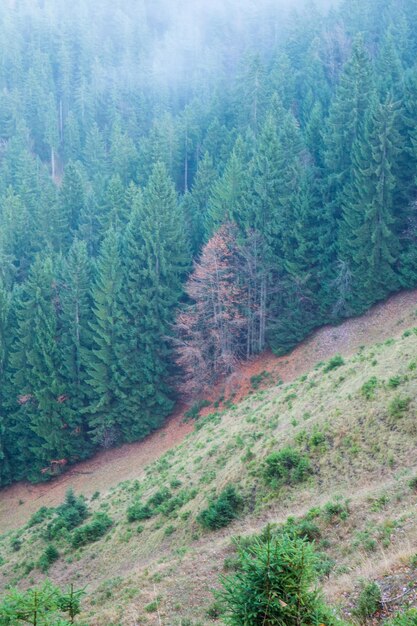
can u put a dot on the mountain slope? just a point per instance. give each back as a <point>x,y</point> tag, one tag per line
<point>353,418</point>
<point>110,467</point>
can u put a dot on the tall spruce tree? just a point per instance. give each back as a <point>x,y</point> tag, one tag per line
<point>368,243</point>
<point>346,123</point>
<point>76,340</point>
<point>106,419</point>
<point>155,260</point>
<point>5,341</point>
<point>41,422</point>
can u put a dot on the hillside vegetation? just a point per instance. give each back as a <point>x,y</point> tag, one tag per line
<point>331,455</point>
<point>182,186</point>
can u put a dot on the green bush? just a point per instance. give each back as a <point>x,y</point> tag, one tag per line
<point>92,531</point>
<point>369,600</point>
<point>324,565</point>
<point>16,544</point>
<point>336,510</point>
<point>40,515</point>
<point>303,528</point>
<point>368,388</point>
<point>335,362</point>
<point>275,584</point>
<point>287,466</point>
<point>45,604</point>
<point>194,411</point>
<point>394,382</point>
<point>138,512</point>
<point>221,511</point>
<point>159,497</point>
<point>398,406</point>
<point>49,556</point>
<point>68,515</point>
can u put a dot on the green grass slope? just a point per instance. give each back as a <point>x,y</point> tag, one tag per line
<point>143,552</point>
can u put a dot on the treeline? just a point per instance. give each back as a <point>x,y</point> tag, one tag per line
<point>156,229</point>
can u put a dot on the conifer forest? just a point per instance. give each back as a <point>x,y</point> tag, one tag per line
<point>184,185</point>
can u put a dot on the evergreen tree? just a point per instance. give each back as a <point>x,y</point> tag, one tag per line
<point>5,341</point>
<point>76,340</point>
<point>72,197</point>
<point>155,259</point>
<point>368,243</point>
<point>102,366</point>
<point>346,123</point>
<point>41,425</point>
<point>197,201</point>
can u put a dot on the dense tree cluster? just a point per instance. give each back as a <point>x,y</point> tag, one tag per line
<point>166,211</point>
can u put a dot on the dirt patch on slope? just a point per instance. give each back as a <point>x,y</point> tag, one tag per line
<point>103,471</point>
<point>108,468</point>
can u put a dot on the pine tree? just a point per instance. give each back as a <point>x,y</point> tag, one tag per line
<point>105,415</point>
<point>228,197</point>
<point>5,341</point>
<point>122,154</point>
<point>367,241</point>
<point>196,203</point>
<point>155,259</point>
<point>73,196</point>
<point>115,211</point>
<point>41,421</point>
<point>76,340</point>
<point>346,123</point>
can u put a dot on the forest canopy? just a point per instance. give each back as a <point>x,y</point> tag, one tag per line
<point>182,185</point>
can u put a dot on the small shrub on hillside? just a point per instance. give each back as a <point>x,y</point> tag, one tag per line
<point>302,528</point>
<point>170,506</point>
<point>152,607</point>
<point>258,379</point>
<point>379,503</point>
<point>398,406</point>
<point>138,512</point>
<point>324,565</point>
<point>68,515</point>
<point>394,382</point>
<point>335,362</point>
<point>159,497</point>
<point>92,531</point>
<point>366,541</point>
<point>221,511</point>
<point>317,439</point>
<point>45,604</point>
<point>337,510</point>
<point>42,514</point>
<point>194,411</point>
<point>413,483</point>
<point>49,556</point>
<point>212,418</point>
<point>16,544</point>
<point>369,600</point>
<point>286,467</point>
<point>368,388</point>
<point>274,585</point>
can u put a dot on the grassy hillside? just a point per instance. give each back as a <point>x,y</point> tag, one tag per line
<point>352,421</point>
